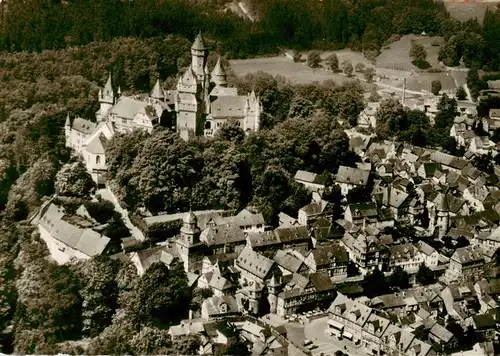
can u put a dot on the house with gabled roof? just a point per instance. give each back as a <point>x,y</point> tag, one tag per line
<point>255,267</point>
<point>353,315</point>
<point>305,290</point>
<point>372,332</point>
<point>348,178</point>
<point>314,210</point>
<point>311,181</point>
<point>143,259</point>
<point>332,259</point>
<point>396,340</point>
<point>466,263</point>
<point>64,240</point>
<point>394,199</point>
<point>361,213</point>
<point>289,263</point>
<point>217,307</point>
<point>442,336</point>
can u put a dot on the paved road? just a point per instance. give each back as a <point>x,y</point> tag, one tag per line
<point>108,195</point>
<point>316,332</point>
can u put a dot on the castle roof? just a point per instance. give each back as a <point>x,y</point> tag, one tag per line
<point>157,92</point>
<point>228,106</point>
<point>96,145</point>
<point>219,69</point>
<point>199,43</point>
<point>108,86</point>
<point>127,107</point>
<point>84,126</point>
<point>188,78</point>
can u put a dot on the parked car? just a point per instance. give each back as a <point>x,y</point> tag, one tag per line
<point>307,342</point>
<point>312,347</point>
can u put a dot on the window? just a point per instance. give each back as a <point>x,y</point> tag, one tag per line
<point>98,159</point>
<point>124,121</point>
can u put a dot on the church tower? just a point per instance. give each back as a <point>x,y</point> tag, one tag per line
<point>188,244</point>
<point>199,54</point>
<point>106,99</point>
<point>442,214</point>
<point>274,288</point>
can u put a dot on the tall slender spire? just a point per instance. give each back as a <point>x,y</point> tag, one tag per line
<point>157,93</point>
<point>108,86</point>
<point>199,43</point>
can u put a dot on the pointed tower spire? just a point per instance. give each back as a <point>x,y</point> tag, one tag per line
<point>157,92</point>
<point>108,86</point>
<point>68,122</point>
<point>199,43</point>
<point>219,74</point>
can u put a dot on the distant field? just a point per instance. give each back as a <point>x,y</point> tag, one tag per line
<point>393,65</point>
<point>295,72</point>
<point>466,10</point>
<point>396,55</point>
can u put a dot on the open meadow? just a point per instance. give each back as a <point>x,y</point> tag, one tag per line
<point>466,10</point>
<point>392,66</point>
<point>298,73</point>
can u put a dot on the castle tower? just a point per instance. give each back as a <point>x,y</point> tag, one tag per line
<point>274,288</point>
<point>189,105</point>
<point>157,92</point>
<point>199,53</point>
<point>106,99</point>
<point>219,74</point>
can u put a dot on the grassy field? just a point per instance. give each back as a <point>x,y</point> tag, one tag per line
<point>392,65</point>
<point>395,56</point>
<point>466,10</point>
<point>295,72</point>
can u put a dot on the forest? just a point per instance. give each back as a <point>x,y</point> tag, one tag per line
<point>363,25</point>
<point>56,55</point>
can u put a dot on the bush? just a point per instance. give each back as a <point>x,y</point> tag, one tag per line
<point>434,70</point>
<point>116,230</point>
<point>164,230</point>
<point>421,64</point>
<point>313,59</point>
<point>436,87</point>
<point>360,68</point>
<point>101,211</point>
<point>139,223</point>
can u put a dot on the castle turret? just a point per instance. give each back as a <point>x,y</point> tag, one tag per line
<point>67,131</point>
<point>199,53</point>
<point>106,99</point>
<point>157,92</point>
<point>219,74</point>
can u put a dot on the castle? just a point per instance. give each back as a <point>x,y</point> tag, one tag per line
<point>199,106</point>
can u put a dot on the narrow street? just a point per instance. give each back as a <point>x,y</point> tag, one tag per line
<point>108,195</point>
